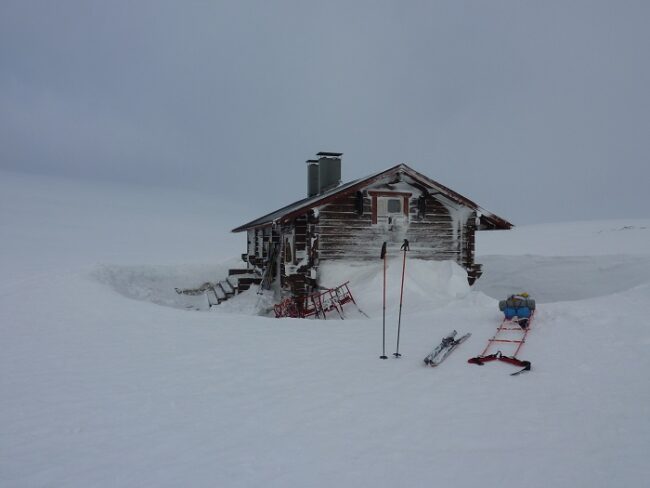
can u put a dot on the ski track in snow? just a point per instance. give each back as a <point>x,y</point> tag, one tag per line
<point>102,386</point>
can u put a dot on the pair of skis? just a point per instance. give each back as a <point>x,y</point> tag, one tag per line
<point>405,247</point>
<point>445,348</point>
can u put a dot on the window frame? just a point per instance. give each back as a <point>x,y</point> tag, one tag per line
<point>396,195</point>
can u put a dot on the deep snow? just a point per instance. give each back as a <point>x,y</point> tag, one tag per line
<point>104,385</point>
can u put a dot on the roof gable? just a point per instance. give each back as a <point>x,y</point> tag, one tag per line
<point>488,220</point>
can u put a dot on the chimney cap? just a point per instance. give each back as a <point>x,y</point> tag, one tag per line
<point>311,161</point>
<point>329,154</point>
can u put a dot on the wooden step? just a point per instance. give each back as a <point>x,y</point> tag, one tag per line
<point>221,295</point>
<point>212,297</point>
<point>234,283</point>
<point>227,290</point>
<point>240,271</point>
<point>246,283</point>
<point>249,280</point>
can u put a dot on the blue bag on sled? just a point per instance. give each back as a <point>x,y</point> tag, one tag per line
<point>520,306</point>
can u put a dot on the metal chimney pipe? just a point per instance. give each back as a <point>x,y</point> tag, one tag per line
<point>312,178</point>
<point>329,170</point>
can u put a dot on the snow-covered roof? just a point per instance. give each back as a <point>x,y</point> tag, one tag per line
<point>488,219</point>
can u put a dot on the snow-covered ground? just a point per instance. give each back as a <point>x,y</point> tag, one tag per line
<point>107,381</point>
<point>568,261</point>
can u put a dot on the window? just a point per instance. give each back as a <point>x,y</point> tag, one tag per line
<point>389,207</point>
<point>394,205</point>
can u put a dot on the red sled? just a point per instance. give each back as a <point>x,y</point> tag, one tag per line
<point>507,327</point>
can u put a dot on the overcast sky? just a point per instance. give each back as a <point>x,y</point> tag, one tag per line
<point>538,111</point>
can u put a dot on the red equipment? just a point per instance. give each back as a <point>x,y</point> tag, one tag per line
<point>509,332</point>
<point>318,303</point>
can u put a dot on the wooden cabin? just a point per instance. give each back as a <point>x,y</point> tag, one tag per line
<point>351,221</point>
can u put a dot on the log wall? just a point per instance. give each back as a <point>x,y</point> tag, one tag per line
<point>344,234</point>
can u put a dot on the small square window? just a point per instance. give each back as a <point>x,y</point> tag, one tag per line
<point>390,208</point>
<point>393,206</point>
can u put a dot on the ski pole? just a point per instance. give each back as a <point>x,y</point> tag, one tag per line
<point>383,257</point>
<point>405,247</point>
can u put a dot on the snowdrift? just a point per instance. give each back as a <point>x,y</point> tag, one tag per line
<point>427,284</point>
<point>156,284</point>
<point>587,238</point>
<point>565,261</point>
<point>562,278</point>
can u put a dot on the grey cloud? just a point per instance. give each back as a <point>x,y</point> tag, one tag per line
<point>538,111</point>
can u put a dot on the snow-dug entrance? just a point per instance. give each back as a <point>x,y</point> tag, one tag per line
<point>428,284</point>
<point>156,284</point>
<point>561,278</point>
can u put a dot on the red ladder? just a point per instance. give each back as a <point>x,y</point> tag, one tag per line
<point>506,328</point>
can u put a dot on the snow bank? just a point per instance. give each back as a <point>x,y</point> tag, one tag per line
<point>566,261</point>
<point>156,284</point>
<point>562,278</point>
<point>249,302</point>
<point>427,284</point>
<point>589,238</point>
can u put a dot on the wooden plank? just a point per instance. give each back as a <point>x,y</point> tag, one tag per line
<point>375,257</point>
<point>350,245</point>
<point>366,216</point>
<point>327,227</point>
<point>239,271</point>
<point>345,215</point>
<point>352,241</point>
<point>372,248</point>
<point>341,207</point>
<point>365,234</point>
